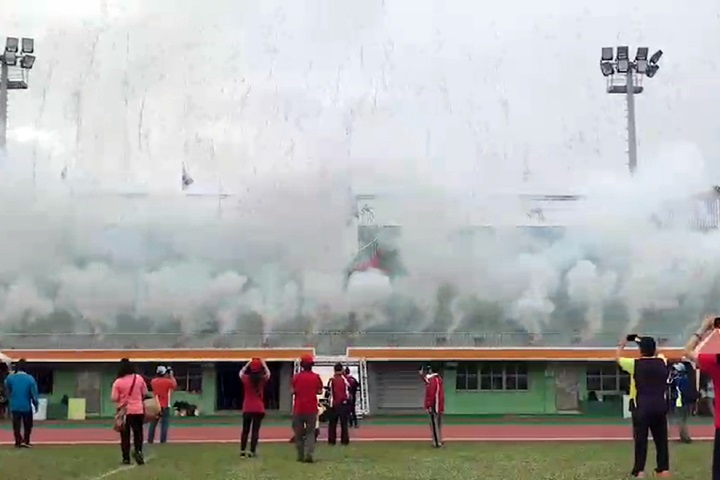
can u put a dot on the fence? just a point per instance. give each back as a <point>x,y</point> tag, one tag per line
<point>325,343</point>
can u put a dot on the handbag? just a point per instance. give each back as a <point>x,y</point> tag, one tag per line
<point>121,413</point>
<point>151,408</point>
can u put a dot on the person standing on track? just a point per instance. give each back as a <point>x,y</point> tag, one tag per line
<point>254,376</point>
<point>650,373</point>
<point>352,405</point>
<point>708,363</point>
<point>22,393</point>
<point>162,387</point>
<point>434,403</point>
<point>339,389</point>
<point>306,386</point>
<point>128,392</point>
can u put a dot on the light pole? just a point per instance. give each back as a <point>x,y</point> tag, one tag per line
<point>16,59</point>
<point>620,63</point>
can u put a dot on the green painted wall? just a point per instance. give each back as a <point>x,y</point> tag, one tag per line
<point>538,399</point>
<point>65,378</point>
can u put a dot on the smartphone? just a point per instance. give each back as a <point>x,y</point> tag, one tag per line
<point>632,337</point>
<point>716,322</point>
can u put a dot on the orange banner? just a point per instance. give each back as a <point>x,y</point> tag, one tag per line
<point>176,355</point>
<point>502,354</point>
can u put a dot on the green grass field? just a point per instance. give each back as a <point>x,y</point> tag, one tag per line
<point>361,461</point>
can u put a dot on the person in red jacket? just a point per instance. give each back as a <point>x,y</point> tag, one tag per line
<point>254,377</point>
<point>434,403</point>
<point>339,389</point>
<point>306,386</point>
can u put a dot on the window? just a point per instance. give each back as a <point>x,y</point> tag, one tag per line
<point>43,375</point>
<point>607,378</point>
<point>492,376</point>
<point>188,375</point>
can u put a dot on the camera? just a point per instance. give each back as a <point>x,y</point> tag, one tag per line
<point>633,337</point>
<point>716,322</point>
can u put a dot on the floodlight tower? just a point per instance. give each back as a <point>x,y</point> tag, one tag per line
<point>17,59</point>
<point>619,62</point>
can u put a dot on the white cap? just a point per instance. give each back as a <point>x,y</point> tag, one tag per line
<point>161,370</point>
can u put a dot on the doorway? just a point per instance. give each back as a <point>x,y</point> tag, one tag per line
<point>230,390</point>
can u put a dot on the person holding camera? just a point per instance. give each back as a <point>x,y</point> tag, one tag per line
<point>434,402</point>
<point>162,387</point>
<point>649,405</point>
<point>709,363</point>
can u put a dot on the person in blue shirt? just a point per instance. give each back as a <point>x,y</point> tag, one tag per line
<point>22,392</point>
<point>683,395</point>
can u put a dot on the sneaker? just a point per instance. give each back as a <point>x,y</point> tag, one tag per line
<point>139,458</point>
<point>251,455</point>
<point>126,461</point>
<point>309,459</point>
<point>663,474</point>
<point>243,454</point>
<point>25,445</point>
<point>638,475</point>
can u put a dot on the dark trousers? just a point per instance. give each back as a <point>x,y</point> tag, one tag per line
<point>645,423</point>
<point>251,427</point>
<point>436,427</point>
<point>164,420</point>
<point>304,428</point>
<point>352,415</point>
<point>339,414</point>
<point>133,426</point>
<point>22,423</point>
<point>716,456</point>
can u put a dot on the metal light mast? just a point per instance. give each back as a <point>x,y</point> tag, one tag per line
<point>619,62</point>
<point>15,63</point>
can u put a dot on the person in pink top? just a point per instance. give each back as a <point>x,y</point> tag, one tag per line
<point>129,391</point>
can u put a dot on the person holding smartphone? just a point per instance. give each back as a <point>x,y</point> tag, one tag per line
<point>650,403</point>
<point>709,363</point>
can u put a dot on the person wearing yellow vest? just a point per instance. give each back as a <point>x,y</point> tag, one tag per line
<point>648,402</point>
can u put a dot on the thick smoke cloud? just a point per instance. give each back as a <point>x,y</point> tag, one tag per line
<point>280,111</point>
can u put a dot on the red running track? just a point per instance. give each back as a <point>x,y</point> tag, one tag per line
<point>408,433</point>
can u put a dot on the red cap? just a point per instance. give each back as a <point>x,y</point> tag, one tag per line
<point>255,365</point>
<point>307,360</point>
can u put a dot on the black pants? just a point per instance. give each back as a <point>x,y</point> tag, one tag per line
<point>716,456</point>
<point>133,426</point>
<point>352,415</point>
<point>340,414</point>
<point>22,423</point>
<point>657,424</point>
<point>251,424</point>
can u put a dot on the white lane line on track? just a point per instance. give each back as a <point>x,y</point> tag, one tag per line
<point>117,470</point>
<point>363,440</point>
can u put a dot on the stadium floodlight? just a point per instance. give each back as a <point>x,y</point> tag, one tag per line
<point>656,57</point>
<point>623,59</point>
<point>9,59</point>
<point>27,62</point>
<point>11,44</point>
<point>28,45</point>
<point>607,54</point>
<point>642,53</point>
<point>607,68</point>
<point>617,61</point>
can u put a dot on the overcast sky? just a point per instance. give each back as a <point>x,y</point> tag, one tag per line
<point>460,94</point>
